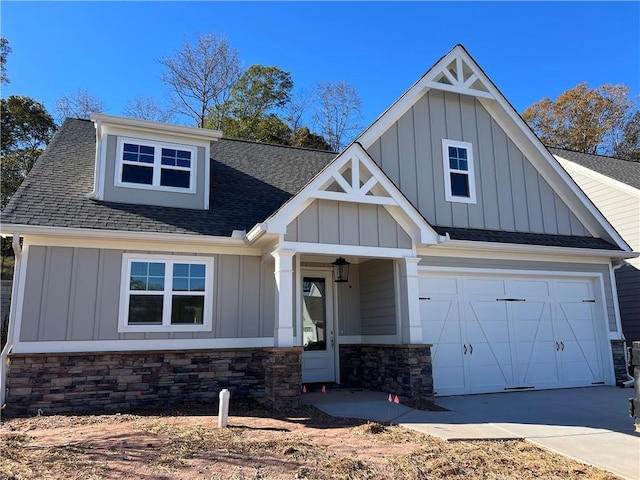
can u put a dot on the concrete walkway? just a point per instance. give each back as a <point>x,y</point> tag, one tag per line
<point>590,425</point>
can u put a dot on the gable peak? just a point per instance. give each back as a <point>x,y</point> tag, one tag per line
<point>457,72</point>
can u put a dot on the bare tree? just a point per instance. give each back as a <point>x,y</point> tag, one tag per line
<point>146,107</point>
<point>78,104</point>
<point>201,76</point>
<point>295,110</point>
<point>338,112</point>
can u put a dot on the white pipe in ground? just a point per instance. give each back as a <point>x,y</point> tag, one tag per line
<point>223,409</point>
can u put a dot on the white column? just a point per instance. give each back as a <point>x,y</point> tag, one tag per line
<point>411,321</point>
<point>283,329</point>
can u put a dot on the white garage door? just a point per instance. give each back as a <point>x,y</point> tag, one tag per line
<point>497,333</point>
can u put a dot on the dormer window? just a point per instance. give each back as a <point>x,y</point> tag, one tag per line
<point>459,180</point>
<point>153,165</point>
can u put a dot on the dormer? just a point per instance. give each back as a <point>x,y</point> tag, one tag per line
<point>151,163</point>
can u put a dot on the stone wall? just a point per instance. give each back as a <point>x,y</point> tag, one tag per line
<point>620,365</point>
<point>403,370</point>
<point>70,383</point>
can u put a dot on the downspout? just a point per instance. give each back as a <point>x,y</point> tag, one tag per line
<point>17,250</point>
<point>615,265</point>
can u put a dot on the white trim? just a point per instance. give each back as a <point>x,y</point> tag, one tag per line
<point>24,261</point>
<point>507,271</point>
<point>616,304</point>
<point>157,165</point>
<point>99,346</point>
<point>453,245</point>
<point>353,157</point>
<point>157,127</point>
<point>600,177</point>
<point>94,237</point>
<point>357,250</point>
<point>469,172</point>
<point>167,294</point>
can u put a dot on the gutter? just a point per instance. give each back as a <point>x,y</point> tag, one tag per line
<point>12,317</point>
<point>96,166</point>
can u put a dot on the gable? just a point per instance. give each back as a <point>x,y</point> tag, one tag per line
<point>352,178</point>
<point>511,194</point>
<point>464,87</point>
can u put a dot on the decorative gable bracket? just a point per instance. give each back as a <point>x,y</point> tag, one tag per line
<point>354,177</point>
<point>458,76</point>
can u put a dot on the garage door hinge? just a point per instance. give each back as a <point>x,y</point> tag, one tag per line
<point>589,301</point>
<point>511,300</point>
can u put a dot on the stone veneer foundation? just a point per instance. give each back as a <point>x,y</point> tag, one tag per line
<point>93,382</point>
<point>403,370</point>
<point>620,364</point>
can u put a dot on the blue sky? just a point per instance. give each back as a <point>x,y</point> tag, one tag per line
<point>530,50</point>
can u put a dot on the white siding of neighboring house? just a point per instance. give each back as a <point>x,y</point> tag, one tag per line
<point>618,202</point>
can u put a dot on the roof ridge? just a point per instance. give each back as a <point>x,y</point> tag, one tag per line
<point>279,145</point>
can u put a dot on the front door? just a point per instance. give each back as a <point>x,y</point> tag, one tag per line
<point>318,336</point>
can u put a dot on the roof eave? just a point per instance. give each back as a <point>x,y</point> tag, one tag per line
<point>534,249</point>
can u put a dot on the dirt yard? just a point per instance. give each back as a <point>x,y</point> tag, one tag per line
<point>258,444</point>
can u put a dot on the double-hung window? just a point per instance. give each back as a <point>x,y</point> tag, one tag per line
<point>160,166</point>
<point>165,293</point>
<point>459,179</point>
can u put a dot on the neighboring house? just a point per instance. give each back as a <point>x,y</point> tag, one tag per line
<point>162,263</point>
<point>613,185</point>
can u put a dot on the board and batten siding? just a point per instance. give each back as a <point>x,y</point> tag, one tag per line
<point>73,294</point>
<point>511,194</point>
<point>521,265</point>
<point>345,223</point>
<point>120,194</point>
<point>377,298</point>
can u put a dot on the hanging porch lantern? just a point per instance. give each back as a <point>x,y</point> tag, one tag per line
<point>340,270</point>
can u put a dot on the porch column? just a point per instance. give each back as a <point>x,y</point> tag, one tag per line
<point>283,329</point>
<point>411,322</point>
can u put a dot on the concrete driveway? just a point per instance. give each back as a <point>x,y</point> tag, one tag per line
<point>591,425</point>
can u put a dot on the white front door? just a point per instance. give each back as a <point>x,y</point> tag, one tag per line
<point>318,334</point>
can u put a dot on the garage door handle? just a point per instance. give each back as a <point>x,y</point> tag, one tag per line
<point>511,299</point>
<point>562,346</point>
<point>470,349</point>
<point>464,347</point>
<point>557,346</point>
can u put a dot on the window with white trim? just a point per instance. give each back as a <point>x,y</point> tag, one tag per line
<point>165,294</point>
<point>459,180</point>
<point>154,165</point>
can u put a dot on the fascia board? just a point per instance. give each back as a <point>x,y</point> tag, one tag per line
<point>469,245</point>
<point>612,182</point>
<point>10,229</point>
<point>157,127</point>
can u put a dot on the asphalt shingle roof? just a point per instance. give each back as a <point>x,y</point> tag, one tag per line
<point>523,238</point>
<point>621,170</point>
<point>249,181</point>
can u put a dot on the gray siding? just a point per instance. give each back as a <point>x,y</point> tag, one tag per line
<point>74,294</point>
<point>511,194</point>
<point>343,223</point>
<point>377,298</point>
<point>113,193</point>
<point>349,303</point>
<point>536,266</point>
<point>628,286</point>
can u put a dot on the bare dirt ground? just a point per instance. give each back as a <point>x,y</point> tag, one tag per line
<point>258,444</point>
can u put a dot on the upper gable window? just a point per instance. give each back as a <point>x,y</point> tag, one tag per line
<point>155,165</point>
<point>459,180</point>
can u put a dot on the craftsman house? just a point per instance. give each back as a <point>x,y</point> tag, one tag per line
<point>445,251</point>
<point>613,185</point>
